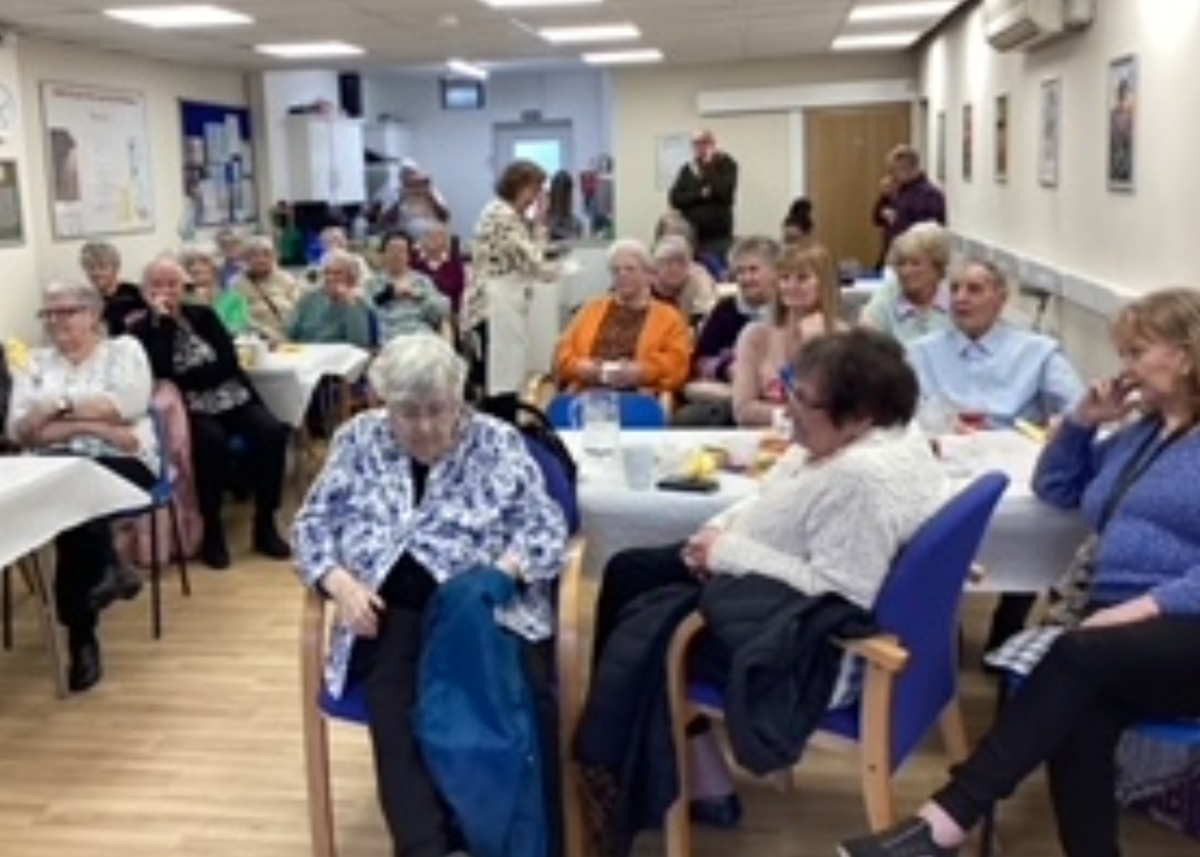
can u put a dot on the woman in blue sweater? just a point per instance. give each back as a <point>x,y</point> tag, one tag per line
<point>1136,654</point>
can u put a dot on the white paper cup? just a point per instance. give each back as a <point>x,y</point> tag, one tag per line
<point>638,461</point>
<point>743,450</point>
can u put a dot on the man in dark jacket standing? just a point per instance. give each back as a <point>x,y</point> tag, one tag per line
<point>915,199</point>
<point>704,193</point>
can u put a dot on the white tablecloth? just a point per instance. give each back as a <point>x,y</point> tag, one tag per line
<point>1027,547</point>
<point>42,496</point>
<point>286,379</point>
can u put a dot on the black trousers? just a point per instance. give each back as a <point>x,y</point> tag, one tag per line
<point>1070,713</point>
<point>85,551</point>
<point>417,817</point>
<point>629,574</point>
<point>267,439</point>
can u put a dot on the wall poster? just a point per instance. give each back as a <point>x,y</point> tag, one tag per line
<point>98,157</point>
<point>1122,122</point>
<point>12,226</point>
<point>1049,131</point>
<point>218,165</point>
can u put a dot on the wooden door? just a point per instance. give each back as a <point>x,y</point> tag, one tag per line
<point>845,153</point>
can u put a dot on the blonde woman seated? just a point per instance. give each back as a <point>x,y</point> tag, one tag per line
<point>86,395</point>
<point>917,302</point>
<point>680,281</point>
<point>202,262</point>
<point>625,340</point>
<point>806,300</point>
<point>270,292</point>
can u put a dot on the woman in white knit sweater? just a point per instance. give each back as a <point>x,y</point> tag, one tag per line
<point>832,513</point>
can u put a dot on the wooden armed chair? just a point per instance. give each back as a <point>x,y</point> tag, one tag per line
<point>911,666</point>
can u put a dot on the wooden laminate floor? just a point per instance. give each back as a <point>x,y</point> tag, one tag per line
<point>190,747</point>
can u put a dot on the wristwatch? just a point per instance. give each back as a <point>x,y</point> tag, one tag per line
<point>65,406</point>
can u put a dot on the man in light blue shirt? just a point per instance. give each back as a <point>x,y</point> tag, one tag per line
<point>985,366</point>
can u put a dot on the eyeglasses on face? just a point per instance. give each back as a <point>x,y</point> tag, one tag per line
<point>437,412</point>
<point>787,378</point>
<point>59,312</point>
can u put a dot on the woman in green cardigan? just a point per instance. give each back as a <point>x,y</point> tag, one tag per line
<point>202,262</point>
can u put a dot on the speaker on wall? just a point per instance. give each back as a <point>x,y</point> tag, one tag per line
<point>350,93</point>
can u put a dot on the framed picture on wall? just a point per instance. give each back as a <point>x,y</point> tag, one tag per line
<point>968,142</point>
<point>1000,139</point>
<point>940,171</point>
<point>12,226</point>
<point>1122,122</point>
<point>1049,130</point>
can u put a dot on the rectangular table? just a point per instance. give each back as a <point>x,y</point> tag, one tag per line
<point>287,377</point>
<point>40,496</point>
<point>1027,547</point>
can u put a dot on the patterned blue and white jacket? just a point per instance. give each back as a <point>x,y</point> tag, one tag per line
<point>484,500</point>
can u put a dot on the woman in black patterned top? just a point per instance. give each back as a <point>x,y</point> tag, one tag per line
<point>188,345</point>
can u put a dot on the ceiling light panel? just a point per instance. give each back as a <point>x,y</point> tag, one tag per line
<point>179,17</point>
<point>309,50</point>
<point>875,42</point>
<point>588,34</point>
<point>538,4</point>
<point>641,55</point>
<point>933,9</point>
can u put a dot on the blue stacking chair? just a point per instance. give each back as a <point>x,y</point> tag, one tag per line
<point>162,496</point>
<point>318,707</point>
<point>638,411</point>
<point>911,666</point>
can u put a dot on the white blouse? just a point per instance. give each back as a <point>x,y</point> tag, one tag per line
<point>117,370</point>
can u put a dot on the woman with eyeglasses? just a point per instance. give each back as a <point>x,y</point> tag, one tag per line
<point>86,394</point>
<point>413,496</point>
<point>829,517</point>
<point>804,306</point>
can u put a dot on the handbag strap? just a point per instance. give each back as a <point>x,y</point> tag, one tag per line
<point>1138,464</point>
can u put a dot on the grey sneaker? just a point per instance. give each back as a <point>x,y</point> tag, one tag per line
<point>910,838</point>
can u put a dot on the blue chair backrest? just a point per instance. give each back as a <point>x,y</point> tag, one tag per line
<point>919,603</point>
<point>638,411</point>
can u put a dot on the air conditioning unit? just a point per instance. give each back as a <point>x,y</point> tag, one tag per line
<point>1012,25</point>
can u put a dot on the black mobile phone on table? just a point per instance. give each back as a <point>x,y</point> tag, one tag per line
<point>692,486</point>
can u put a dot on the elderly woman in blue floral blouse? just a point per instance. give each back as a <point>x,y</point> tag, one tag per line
<point>412,495</point>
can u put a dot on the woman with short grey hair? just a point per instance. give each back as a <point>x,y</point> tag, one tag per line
<point>413,495</point>
<point>101,264</point>
<point>270,292</point>
<point>336,312</point>
<point>680,280</point>
<point>86,395</point>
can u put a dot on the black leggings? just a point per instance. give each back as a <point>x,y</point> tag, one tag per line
<point>85,551</point>
<point>627,575</point>
<point>1070,713</point>
<point>417,817</point>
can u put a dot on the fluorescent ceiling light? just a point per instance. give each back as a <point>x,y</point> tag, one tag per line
<point>902,11</point>
<point>640,55</point>
<point>309,50</point>
<point>879,41</point>
<point>169,17</point>
<point>596,33</point>
<point>533,4</point>
<point>467,69</point>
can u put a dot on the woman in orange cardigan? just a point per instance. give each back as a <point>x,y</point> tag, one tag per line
<point>625,340</point>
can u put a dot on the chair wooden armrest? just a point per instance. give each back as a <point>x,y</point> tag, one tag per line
<point>539,390</point>
<point>880,650</point>
<point>570,690</point>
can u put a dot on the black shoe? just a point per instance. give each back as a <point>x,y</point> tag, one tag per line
<point>909,838</point>
<point>214,553</point>
<point>268,542</point>
<point>85,668</point>
<point>118,582</point>
<point>724,811</point>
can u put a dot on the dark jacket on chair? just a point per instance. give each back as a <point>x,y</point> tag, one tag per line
<point>475,719</point>
<point>783,663</point>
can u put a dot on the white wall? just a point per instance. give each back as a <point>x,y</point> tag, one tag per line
<point>1107,244</point>
<point>25,269</point>
<point>18,263</point>
<point>455,147</point>
<point>649,102</point>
